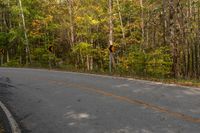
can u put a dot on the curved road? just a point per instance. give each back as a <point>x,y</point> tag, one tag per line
<point>45,101</point>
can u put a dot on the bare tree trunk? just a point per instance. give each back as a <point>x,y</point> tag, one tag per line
<point>198,55</point>
<point>121,23</point>
<point>71,22</point>
<point>164,22</point>
<point>91,63</point>
<point>189,50</point>
<point>142,23</point>
<point>111,62</point>
<point>184,43</point>
<point>8,58</point>
<point>2,59</point>
<point>172,35</point>
<point>28,57</point>
<point>177,38</point>
<point>154,35</point>
<point>91,57</point>
<point>9,15</point>
<point>50,66</point>
<point>147,31</point>
<point>88,62</point>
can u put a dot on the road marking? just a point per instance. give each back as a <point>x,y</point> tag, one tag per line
<point>126,99</point>
<point>177,115</point>
<point>14,126</point>
<point>131,101</point>
<point>147,105</point>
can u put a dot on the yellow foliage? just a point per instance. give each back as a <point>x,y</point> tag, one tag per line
<point>93,21</point>
<point>48,19</point>
<point>36,23</point>
<point>79,19</point>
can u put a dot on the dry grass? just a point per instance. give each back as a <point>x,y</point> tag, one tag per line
<point>182,82</point>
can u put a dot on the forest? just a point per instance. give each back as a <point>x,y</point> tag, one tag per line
<point>155,38</point>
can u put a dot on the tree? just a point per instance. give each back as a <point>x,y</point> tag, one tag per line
<point>111,62</point>
<point>142,33</point>
<point>28,57</point>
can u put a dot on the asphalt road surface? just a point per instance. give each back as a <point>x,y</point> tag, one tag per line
<point>45,101</point>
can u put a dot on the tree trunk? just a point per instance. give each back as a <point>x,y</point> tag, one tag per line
<point>71,22</point>
<point>91,63</point>
<point>164,22</point>
<point>198,47</point>
<point>172,35</point>
<point>88,62</point>
<point>28,57</point>
<point>111,62</point>
<point>8,57</point>
<point>2,60</point>
<point>142,23</point>
<point>121,23</point>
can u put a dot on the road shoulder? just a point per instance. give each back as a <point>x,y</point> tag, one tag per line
<point>4,123</point>
<point>8,122</point>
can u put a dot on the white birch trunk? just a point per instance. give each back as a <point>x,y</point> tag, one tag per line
<point>28,58</point>
<point>8,58</point>
<point>121,23</point>
<point>142,22</point>
<point>111,58</point>
<point>71,22</point>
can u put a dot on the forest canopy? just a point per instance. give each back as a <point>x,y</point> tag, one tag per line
<point>149,37</point>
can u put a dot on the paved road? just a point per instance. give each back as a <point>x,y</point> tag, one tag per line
<point>59,102</point>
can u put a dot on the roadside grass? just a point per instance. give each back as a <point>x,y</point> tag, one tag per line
<point>194,83</point>
<point>181,82</point>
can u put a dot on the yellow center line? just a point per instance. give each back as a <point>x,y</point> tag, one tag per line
<point>144,104</point>
<point>154,107</point>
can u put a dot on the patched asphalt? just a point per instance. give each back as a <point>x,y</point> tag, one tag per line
<point>45,101</point>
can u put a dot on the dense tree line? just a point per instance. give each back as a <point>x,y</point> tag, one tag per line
<point>150,37</point>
